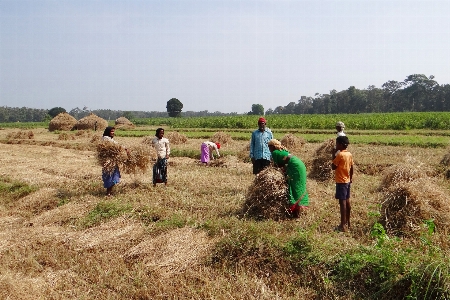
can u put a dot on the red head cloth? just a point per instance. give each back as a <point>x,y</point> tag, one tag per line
<point>218,145</point>
<point>262,120</point>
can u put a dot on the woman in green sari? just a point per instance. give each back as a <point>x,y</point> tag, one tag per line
<point>295,176</point>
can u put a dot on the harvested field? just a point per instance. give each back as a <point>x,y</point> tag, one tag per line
<point>197,238</point>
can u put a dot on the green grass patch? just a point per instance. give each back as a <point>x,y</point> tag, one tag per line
<point>104,211</point>
<point>11,190</point>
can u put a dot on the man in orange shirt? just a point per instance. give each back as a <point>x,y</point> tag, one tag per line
<point>343,166</point>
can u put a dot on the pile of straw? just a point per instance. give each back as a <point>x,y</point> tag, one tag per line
<point>445,165</point>
<point>244,154</point>
<point>65,136</point>
<point>176,138</point>
<point>267,197</point>
<point>321,164</point>
<point>89,122</point>
<point>22,135</point>
<point>409,198</point>
<point>63,121</point>
<point>292,142</point>
<point>224,161</point>
<point>221,137</point>
<point>139,158</point>
<point>123,122</point>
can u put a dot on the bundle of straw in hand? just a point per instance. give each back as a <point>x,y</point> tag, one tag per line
<point>110,155</point>
<point>139,157</point>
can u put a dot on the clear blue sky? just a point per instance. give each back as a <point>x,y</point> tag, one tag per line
<point>215,55</point>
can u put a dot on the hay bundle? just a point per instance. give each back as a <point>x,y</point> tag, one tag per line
<point>292,142</point>
<point>407,204</point>
<point>65,136</point>
<point>221,138</point>
<point>21,135</point>
<point>244,154</point>
<point>176,138</point>
<point>96,139</point>
<point>91,122</point>
<point>123,122</point>
<point>401,173</point>
<point>139,157</point>
<point>224,161</point>
<point>83,133</point>
<point>110,155</point>
<point>444,165</point>
<point>63,121</point>
<point>267,196</point>
<point>321,164</point>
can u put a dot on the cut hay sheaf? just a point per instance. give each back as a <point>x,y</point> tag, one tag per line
<point>176,138</point>
<point>62,121</point>
<point>110,155</point>
<point>292,142</point>
<point>409,198</point>
<point>20,135</point>
<point>221,137</point>
<point>244,154</point>
<point>267,196</point>
<point>138,159</point>
<point>321,164</point>
<point>91,122</point>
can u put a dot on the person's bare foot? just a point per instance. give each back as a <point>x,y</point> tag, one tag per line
<point>340,229</point>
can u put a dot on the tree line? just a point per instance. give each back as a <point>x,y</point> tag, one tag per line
<point>417,93</point>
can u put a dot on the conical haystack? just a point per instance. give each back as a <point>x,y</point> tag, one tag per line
<point>267,197</point>
<point>123,122</point>
<point>321,165</point>
<point>62,121</point>
<point>91,122</point>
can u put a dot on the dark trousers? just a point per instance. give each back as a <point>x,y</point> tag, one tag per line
<point>259,165</point>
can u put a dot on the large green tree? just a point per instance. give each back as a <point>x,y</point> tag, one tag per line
<point>56,111</point>
<point>174,107</point>
<point>257,109</point>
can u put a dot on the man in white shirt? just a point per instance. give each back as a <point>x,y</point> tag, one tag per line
<point>161,144</point>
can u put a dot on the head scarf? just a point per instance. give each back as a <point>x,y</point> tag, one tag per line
<point>107,131</point>
<point>218,145</point>
<point>261,120</point>
<point>340,124</point>
<point>158,131</point>
<point>277,144</point>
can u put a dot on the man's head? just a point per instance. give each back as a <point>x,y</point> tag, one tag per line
<point>342,142</point>
<point>159,133</point>
<point>262,124</point>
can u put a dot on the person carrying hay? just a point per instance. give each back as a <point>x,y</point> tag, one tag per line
<point>259,152</point>
<point>110,178</point>
<point>207,151</point>
<point>161,144</point>
<point>343,166</point>
<point>295,176</point>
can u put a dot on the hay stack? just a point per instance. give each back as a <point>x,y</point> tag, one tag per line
<point>221,138</point>
<point>410,198</point>
<point>267,197</point>
<point>89,122</point>
<point>63,121</point>
<point>176,138</point>
<point>244,154</point>
<point>292,142</point>
<point>123,122</point>
<point>321,165</point>
<point>21,135</point>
